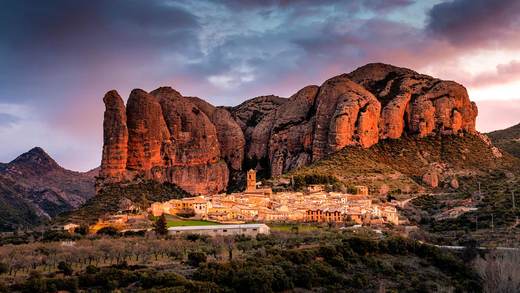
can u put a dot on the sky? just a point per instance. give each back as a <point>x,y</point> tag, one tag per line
<point>59,57</point>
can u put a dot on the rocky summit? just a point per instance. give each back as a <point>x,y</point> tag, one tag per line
<point>167,137</point>
<point>34,189</point>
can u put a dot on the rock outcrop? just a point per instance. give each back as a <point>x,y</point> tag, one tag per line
<point>415,103</point>
<point>115,136</point>
<point>229,133</point>
<point>346,114</point>
<point>189,142</point>
<point>170,139</point>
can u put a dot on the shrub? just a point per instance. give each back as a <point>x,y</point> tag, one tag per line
<point>4,268</point>
<point>65,268</point>
<point>195,258</point>
<point>91,269</point>
<point>109,231</point>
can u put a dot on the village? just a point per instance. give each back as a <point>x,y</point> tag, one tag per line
<point>261,205</point>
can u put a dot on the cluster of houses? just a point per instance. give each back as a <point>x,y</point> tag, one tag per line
<point>262,205</point>
<point>257,205</point>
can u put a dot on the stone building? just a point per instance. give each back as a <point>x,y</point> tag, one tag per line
<point>251,180</point>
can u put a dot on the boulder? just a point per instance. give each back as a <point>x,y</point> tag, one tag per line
<point>454,183</point>
<point>431,178</point>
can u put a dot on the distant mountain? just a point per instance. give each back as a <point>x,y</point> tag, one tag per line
<point>34,189</point>
<point>507,139</point>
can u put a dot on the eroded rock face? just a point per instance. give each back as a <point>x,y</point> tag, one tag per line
<point>415,103</point>
<point>115,136</point>
<point>431,178</point>
<point>188,141</point>
<point>251,112</point>
<point>229,133</point>
<point>346,114</point>
<point>170,139</point>
<point>290,143</point>
<point>230,137</point>
<point>146,131</point>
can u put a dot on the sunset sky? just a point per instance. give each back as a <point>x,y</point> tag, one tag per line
<point>59,57</point>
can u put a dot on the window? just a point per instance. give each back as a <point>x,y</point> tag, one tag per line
<point>254,229</point>
<point>225,230</point>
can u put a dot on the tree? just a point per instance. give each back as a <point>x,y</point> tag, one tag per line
<point>4,268</point>
<point>195,258</point>
<point>82,230</point>
<point>65,268</point>
<point>161,226</point>
<point>110,231</point>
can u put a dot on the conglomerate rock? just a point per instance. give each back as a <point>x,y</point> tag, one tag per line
<point>189,142</point>
<point>115,136</point>
<point>415,103</point>
<point>229,133</point>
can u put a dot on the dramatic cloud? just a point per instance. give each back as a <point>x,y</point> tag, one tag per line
<point>471,23</point>
<point>59,57</point>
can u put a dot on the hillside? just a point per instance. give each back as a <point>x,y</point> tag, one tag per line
<point>116,197</point>
<point>398,167</point>
<point>507,139</point>
<point>400,164</point>
<point>34,189</point>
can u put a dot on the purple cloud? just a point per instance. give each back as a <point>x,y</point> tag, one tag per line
<point>481,23</point>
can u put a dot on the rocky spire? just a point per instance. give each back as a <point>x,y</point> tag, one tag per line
<point>115,136</point>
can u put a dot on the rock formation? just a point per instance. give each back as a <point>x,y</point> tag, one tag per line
<point>170,139</point>
<point>189,142</point>
<point>415,103</point>
<point>229,133</point>
<point>115,136</point>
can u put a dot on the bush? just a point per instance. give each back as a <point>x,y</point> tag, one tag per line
<point>57,235</point>
<point>91,269</point>
<point>195,258</point>
<point>65,268</point>
<point>4,268</point>
<point>82,230</point>
<point>109,231</point>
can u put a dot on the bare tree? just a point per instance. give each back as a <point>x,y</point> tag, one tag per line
<point>500,271</point>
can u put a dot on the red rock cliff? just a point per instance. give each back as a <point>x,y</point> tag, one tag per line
<point>187,141</point>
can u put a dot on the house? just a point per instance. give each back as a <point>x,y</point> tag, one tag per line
<point>315,188</point>
<point>70,227</point>
<point>326,214</point>
<point>360,190</point>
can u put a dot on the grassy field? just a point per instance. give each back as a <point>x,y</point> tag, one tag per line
<point>178,222</point>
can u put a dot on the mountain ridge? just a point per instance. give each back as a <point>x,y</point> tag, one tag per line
<point>35,188</point>
<point>507,139</point>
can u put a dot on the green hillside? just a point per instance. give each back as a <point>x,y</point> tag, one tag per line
<point>400,164</point>
<point>115,197</point>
